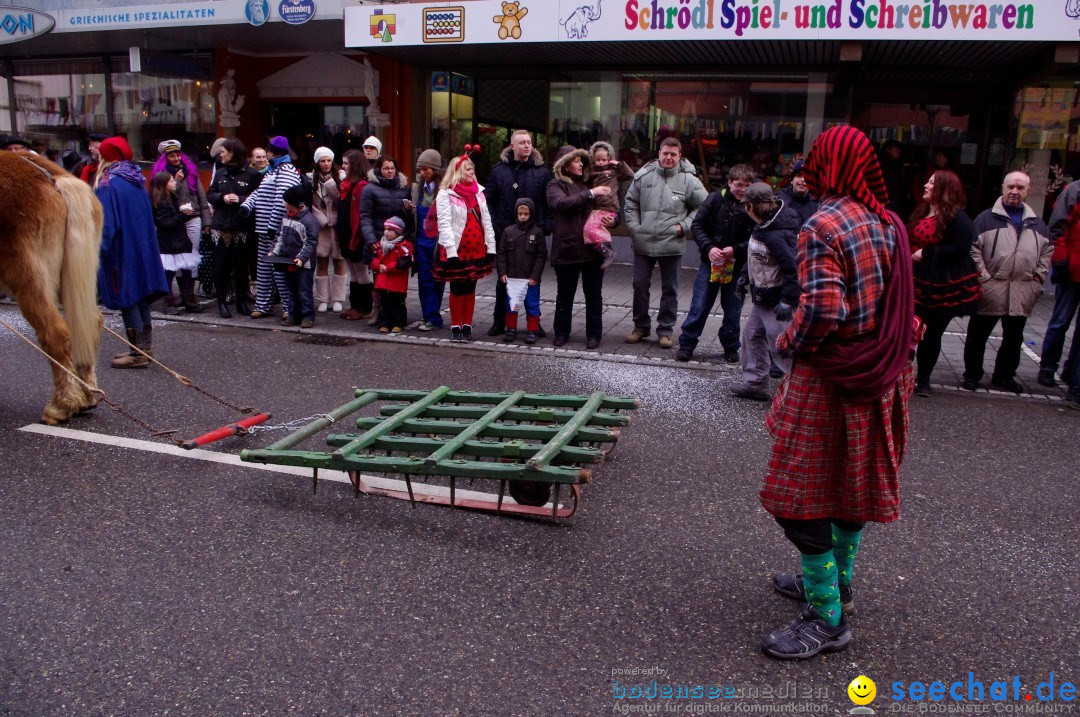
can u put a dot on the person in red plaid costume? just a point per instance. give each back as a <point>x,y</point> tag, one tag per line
<point>840,419</point>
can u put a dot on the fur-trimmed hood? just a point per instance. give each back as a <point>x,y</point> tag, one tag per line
<point>684,165</point>
<point>600,144</point>
<point>535,159</point>
<point>561,162</point>
<point>402,181</point>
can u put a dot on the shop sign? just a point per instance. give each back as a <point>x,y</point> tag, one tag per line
<point>524,21</point>
<point>22,23</point>
<point>194,14</point>
<point>257,12</point>
<point>296,12</point>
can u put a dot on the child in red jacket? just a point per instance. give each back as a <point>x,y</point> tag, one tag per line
<point>393,255</point>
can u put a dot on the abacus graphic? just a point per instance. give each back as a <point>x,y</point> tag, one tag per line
<point>444,24</point>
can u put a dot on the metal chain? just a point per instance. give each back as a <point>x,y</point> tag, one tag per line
<point>290,425</point>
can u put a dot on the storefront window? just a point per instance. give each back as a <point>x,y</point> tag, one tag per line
<point>5,106</point>
<point>721,121</point>
<point>150,109</point>
<point>59,109</point>
<point>453,111</point>
<point>1047,124</point>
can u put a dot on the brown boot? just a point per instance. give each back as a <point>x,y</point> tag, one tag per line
<point>131,359</point>
<point>376,306</point>
<point>147,344</point>
<point>132,338</point>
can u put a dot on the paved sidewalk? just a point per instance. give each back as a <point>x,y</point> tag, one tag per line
<point>618,297</point>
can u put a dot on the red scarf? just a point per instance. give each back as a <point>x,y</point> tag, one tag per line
<point>867,369</point>
<point>468,192</point>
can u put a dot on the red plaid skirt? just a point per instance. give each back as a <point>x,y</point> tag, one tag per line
<point>832,458</point>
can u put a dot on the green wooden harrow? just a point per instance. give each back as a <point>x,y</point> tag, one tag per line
<point>532,444</point>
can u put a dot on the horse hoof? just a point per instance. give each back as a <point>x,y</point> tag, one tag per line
<point>50,420</point>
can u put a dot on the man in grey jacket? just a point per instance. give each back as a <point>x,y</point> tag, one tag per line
<point>660,206</point>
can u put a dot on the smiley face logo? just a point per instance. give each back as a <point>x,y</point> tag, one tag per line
<point>862,690</point>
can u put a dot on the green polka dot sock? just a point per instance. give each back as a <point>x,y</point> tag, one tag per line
<point>845,544</point>
<point>822,590</point>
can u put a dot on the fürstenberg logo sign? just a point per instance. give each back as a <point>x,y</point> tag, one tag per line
<point>22,23</point>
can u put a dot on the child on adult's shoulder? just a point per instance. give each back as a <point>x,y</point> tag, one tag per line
<point>605,173</point>
<point>295,248</point>
<point>392,257</point>
<point>522,255</point>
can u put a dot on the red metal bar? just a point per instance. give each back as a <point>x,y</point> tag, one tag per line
<point>233,429</point>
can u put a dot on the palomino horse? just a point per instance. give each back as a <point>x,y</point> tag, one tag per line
<point>50,233</point>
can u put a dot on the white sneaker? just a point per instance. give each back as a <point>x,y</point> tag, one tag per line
<point>323,307</point>
<point>337,307</point>
<point>426,326</point>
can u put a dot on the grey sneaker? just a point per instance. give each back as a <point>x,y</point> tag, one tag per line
<point>754,394</point>
<point>791,585</point>
<point>806,637</point>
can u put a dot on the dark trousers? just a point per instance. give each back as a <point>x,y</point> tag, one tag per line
<point>1066,301</point>
<point>705,293</point>
<point>929,348</point>
<point>498,317</point>
<point>814,537</point>
<point>392,310</point>
<point>297,299</point>
<point>231,269</point>
<point>1008,355</point>
<point>669,292</point>
<point>592,284</point>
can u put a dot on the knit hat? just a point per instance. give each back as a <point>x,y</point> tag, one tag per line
<point>373,141</point>
<point>797,169</point>
<point>323,152</point>
<point>759,192</point>
<point>297,195</point>
<point>115,149</point>
<point>215,148</point>
<point>563,151</point>
<point>429,158</point>
<point>396,224</point>
<point>279,145</point>
<point>169,145</point>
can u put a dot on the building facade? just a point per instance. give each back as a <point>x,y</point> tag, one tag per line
<point>979,88</point>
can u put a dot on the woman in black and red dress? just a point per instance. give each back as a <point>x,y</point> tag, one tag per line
<point>466,249</point>
<point>946,281</point>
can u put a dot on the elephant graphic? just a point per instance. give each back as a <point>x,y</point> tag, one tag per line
<point>1072,8</point>
<point>577,24</point>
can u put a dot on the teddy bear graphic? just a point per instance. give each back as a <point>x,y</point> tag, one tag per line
<point>510,21</point>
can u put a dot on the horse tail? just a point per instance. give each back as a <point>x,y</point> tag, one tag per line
<point>78,273</point>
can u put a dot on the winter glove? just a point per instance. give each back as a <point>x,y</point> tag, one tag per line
<point>784,311</point>
<point>453,262</point>
<point>271,234</point>
<point>742,286</point>
<point>1059,273</point>
<point>245,212</point>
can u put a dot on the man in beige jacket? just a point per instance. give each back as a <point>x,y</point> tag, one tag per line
<point>1012,252</point>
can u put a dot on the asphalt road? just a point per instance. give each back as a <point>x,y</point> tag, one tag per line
<point>135,583</point>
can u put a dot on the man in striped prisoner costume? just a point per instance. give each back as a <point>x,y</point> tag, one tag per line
<point>269,208</point>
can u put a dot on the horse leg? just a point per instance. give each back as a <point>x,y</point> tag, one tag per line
<point>41,312</point>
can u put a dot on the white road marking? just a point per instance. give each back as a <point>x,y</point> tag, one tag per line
<point>419,487</point>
